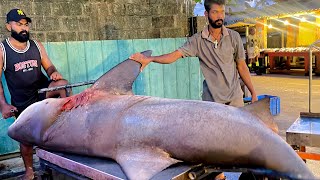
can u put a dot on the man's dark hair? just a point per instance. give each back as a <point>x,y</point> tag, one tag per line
<point>208,3</point>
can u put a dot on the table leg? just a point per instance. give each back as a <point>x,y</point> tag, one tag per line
<point>306,64</point>
<point>271,62</point>
<point>46,171</point>
<point>300,151</point>
<point>289,58</point>
<point>317,71</point>
<point>303,149</point>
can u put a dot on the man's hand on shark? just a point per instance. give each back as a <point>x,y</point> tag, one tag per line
<point>8,111</point>
<point>254,98</point>
<point>142,59</point>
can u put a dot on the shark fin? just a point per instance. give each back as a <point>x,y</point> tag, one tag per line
<point>119,79</point>
<point>143,163</point>
<point>261,110</point>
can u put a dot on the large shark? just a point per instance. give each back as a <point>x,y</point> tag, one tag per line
<point>148,134</point>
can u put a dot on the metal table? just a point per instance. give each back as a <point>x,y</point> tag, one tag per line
<point>305,131</point>
<point>84,167</point>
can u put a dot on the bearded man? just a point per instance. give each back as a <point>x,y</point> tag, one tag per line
<point>221,55</point>
<point>21,60</point>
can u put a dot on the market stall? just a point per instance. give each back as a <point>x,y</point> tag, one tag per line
<point>290,65</point>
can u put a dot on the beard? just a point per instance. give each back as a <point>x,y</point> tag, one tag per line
<point>215,24</point>
<point>20,36</point>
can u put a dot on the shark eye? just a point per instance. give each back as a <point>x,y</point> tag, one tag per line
<point>47,102</point>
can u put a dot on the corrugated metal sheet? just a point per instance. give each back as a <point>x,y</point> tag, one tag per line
<point>279,9</point>
<point>288,7</point>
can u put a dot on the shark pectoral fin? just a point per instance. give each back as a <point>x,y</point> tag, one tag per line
<point>119,79</point>
<point>261,109</point>
<point>143,163</point>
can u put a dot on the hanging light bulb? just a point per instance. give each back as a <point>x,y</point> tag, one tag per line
<point>303,19</point>
<point>270,26</point>
<point>286,22</point>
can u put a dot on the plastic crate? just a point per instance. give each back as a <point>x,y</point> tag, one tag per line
<point>274,103</point>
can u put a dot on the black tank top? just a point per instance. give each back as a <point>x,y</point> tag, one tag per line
<point>22,70</point>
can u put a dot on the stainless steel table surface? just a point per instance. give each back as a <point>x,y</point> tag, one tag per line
<point>305,131</point>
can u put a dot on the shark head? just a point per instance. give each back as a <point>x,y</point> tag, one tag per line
<point>35,120</point>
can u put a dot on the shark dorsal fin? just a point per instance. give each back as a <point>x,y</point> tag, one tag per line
<point>120,78</point>
<point>261,110</point>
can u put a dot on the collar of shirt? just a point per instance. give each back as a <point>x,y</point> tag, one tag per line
<point>206,34</point>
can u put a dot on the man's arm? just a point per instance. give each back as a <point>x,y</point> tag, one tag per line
<point>7,110</point>
<point>163,59</point>
<point>47,64</point>
<point>246,78</point>
<point>242,67</point>
<point>188,49</point>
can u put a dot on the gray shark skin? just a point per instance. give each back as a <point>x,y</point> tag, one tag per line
<point>148,134</point>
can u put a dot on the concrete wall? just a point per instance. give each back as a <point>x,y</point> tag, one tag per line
<point>75,20</point>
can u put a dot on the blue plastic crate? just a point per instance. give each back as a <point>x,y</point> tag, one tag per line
<point>274,103</point>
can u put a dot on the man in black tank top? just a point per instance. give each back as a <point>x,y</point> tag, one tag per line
<point>21,60</point>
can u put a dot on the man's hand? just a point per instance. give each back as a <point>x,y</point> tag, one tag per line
<point>55,76</point>
<point>142,59</point>
<point>8,111</point>
<point>254,98</point>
